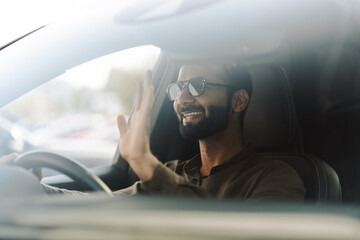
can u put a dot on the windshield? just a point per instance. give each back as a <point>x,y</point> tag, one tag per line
<point>75,113</point>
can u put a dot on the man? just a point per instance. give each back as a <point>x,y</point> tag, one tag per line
<point>210,102</point>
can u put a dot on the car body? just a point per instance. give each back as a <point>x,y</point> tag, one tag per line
<point>316,44</point>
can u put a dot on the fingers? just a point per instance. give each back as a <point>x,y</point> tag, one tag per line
<point>139,94</point>
<point>121,121</point>
<point>143,107</point>
<point>147,83</point>
<point>143,90</point>
<point>8,159</point>
<point>149,94</point>
<point>148,78</point>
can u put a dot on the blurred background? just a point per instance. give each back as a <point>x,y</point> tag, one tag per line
<point>75,113</point>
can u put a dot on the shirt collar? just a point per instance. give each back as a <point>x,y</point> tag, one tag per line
<point>192,167</point>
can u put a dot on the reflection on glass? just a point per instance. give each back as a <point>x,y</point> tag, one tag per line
<point>75,113</point>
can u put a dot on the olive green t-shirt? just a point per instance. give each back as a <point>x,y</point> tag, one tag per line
<point>246,176</point>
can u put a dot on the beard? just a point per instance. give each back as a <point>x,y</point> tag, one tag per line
<point>217,121</point>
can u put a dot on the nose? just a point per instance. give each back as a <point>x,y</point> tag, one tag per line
<point>185,97</point>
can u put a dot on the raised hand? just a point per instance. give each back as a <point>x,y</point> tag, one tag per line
<point>134,142</point>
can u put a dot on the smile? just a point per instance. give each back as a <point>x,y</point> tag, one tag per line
<point>191,114</point>
<point>191,117</point>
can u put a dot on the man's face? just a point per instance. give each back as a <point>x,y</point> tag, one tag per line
<point>205,115</point>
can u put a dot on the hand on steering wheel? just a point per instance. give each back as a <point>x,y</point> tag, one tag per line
<point>69,167</point>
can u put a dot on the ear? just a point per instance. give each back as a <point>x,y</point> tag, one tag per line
<point>240,100</point>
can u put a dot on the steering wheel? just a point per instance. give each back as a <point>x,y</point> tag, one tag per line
<point>75,170</point>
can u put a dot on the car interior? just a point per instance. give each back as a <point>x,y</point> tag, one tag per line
<point>271,125</point>
<point>306,113</point>
<point>305,106</point>
<point>307,109</point>
<point>326,95</point>
<point>304,60</point>
<point>299,113</point>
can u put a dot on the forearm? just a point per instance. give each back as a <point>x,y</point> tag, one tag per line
<point>166,182</point>
<point>144,168</point>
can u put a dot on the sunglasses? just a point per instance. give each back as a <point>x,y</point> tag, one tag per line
<point>195,87</point>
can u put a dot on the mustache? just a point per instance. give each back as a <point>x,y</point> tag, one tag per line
<point>190,108</point>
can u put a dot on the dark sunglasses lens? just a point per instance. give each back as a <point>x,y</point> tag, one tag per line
<point>173,91</point>
<point>196,87</point>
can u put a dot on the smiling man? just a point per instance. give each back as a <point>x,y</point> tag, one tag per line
<point>210,102</point>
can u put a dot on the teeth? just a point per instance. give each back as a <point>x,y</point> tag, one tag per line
<point>192,114</point>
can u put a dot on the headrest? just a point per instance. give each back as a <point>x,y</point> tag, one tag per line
<point>271,122</point>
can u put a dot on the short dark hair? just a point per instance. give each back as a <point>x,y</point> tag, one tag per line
<point>238,75</point>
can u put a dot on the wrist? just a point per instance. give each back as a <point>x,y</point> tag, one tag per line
<point>144,168</point>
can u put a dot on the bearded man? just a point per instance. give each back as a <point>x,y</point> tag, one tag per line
<point>210,102</point>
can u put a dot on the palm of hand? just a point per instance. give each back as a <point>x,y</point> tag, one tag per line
<point>134,142</point>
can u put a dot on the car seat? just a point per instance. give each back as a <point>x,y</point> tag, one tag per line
<point>271,126</point>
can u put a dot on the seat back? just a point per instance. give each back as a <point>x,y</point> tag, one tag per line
<point>271,126</point>
<point>320,180</point>
<point>271,122</point>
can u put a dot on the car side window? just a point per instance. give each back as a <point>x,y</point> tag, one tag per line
<point>75,113</point>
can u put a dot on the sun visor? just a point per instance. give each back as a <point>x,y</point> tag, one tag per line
<point>187,28</point>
